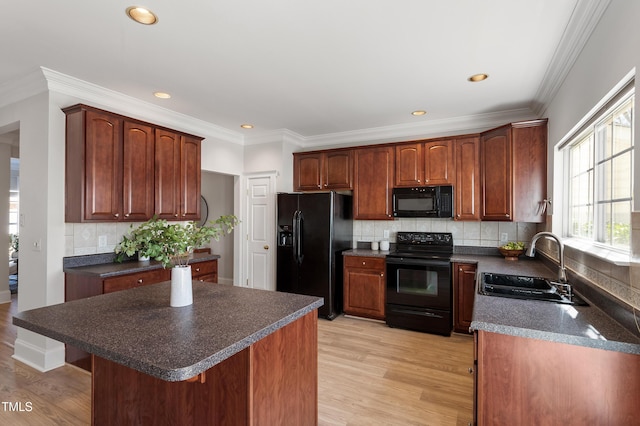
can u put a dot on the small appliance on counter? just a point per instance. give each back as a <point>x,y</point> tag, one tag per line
<point>419,286</point>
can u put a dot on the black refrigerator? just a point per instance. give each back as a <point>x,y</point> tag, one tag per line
<point>313,231</point>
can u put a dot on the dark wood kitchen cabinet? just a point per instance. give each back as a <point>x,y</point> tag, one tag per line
<point>529,381</point>
<point>364,286</point>
<point>464,291</point>
<point>111,171</point>
<point>326,170</point>
<point>177,176</point>
<point>514,172</point>
<point>373,183</point>
<point>424,163</point>
<point>467,185</point>
<point>109,164</point>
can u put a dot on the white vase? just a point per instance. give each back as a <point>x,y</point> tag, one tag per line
<point>181,292</point>
<point>143,258</point>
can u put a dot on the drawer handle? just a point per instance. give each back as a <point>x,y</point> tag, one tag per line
<point>140,281</point>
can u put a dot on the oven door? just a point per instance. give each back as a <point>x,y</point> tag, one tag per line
<point>421,283</point>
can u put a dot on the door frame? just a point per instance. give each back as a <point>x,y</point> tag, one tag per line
<point>241,267</point>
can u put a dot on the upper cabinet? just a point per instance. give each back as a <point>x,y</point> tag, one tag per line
<point>425,163</point>
<point>327,170</point>
<point>514,178</point>
<point>111,169</point>
<point>372,190</point>
<point>177,176</point>
<point>467,185</point>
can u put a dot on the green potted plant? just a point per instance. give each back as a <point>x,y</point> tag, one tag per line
<point>171,243</point>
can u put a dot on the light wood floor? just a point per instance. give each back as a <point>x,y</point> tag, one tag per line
<point>368,374</point>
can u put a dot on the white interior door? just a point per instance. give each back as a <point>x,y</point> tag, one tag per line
<point>261,250</point>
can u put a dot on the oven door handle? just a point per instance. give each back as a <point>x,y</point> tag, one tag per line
<point>414,261</point>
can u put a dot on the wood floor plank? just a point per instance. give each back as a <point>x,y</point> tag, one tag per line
<point>368,374</point>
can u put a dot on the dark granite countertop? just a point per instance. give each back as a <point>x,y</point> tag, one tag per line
<point>137,328</point>
<point>84,265</point>
<point>578,325</point>
<point>366,253</point>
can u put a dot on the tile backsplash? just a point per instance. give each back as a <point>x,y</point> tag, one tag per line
<point>482,234</point>
<point>93,238</point>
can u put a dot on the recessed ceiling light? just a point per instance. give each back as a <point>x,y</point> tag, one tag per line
<point>419,112</point>
<point>162,95</point>
<point>478,77</point>
<point>142,15</point>
<point>247,126</point>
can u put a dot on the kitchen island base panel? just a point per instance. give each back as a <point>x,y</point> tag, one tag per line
<point>273,381</point>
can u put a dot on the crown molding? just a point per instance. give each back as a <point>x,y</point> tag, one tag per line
<point>112,100</point>
<point>271,136</point>
<point>428,129</point>
<point>583,22</point>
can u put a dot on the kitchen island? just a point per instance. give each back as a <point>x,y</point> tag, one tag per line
<point>236,356</point>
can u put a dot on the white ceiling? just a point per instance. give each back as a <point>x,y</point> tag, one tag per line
<point>315,67</point>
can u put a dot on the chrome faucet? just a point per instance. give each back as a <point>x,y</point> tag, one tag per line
<point>531,251</point>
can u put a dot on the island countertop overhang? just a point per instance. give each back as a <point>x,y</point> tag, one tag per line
<point>137,328</point>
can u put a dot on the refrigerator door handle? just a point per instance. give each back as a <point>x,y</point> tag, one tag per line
<point>295,236</point>
<point>299,240</point>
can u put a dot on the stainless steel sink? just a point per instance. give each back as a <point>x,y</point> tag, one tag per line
<point>525,287</point>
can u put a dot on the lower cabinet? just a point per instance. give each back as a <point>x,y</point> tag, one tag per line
<point>464,291</point>
<point>364,286</point>
<point>80,286</point>
<point>524,381</point>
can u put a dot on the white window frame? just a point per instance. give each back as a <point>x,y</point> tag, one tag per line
<point>606,251</point>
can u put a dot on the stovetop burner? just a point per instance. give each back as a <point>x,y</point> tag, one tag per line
<point>423,245</point>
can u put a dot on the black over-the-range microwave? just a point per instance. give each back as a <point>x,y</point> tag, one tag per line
<point>423,201</point>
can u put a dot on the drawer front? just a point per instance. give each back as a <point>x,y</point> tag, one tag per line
<point>364,262</point>
<point>128,281</point>
<point>201,269</point>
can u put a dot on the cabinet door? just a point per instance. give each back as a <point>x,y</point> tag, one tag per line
<point>103,166</point>
<point>137,172</point>
<point>364,287</point>
<point>439,163</point>
<point>338,170</point>
<point>464,286</point>
<point>190,178</point>
<point>529,171</point>
<point>496,174</point>
<point>409,165</point>
<point>373,184</point>
<point>467,185</point>
<point>167,174</point>
<point>306,172</point>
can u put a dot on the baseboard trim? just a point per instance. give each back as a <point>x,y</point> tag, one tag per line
<point>41,359</point>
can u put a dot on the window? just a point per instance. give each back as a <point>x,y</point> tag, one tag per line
<point>600,176</point>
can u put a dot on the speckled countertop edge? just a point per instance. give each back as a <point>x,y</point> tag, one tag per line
<point>150,347</point>
<point>79,266</point>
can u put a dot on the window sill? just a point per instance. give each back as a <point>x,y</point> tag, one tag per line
<point>611,256</point>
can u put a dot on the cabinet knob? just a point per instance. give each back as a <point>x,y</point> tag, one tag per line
<point>470,370</point>
<point>506,215</point>
<point>127,215</point>
<point>426,180</point>
<point>197,269</point>
<point>184,214</point>
<point>382,275</point>
<point>325,185</point>
<point>116,215</point>
<point>140,281</point>
<point>460,269</point>
<point>175,215</point>
<point>457,215</point>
